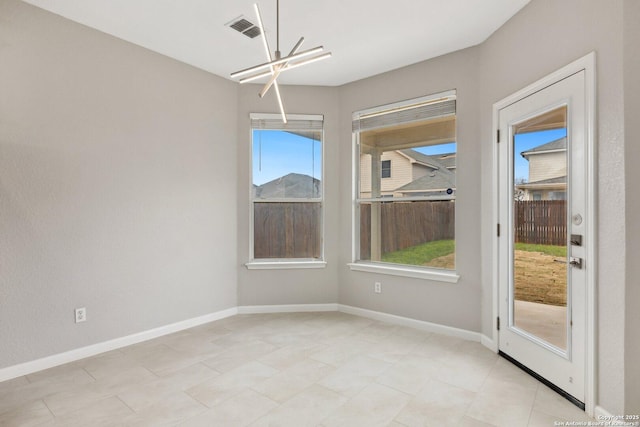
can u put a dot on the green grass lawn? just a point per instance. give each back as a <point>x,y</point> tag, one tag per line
<point>421,254</point>
<point>559,251</point>
<point>426,252</point>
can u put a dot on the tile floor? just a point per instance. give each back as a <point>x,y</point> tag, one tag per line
<point>295,369</point>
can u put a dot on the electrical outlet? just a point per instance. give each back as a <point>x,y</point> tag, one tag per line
<point>377,287</point>
<point>81,314</point>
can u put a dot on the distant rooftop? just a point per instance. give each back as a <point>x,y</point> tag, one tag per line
<point>293,185</point>
<point>557,145</point>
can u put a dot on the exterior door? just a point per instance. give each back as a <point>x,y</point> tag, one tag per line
<point>542,257</point>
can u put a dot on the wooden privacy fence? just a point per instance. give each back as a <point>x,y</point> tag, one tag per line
<point>286,230</point>
<point>541,222</point>
<point>406,224</point>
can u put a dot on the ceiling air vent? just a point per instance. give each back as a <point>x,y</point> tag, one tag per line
<point>244,26</point>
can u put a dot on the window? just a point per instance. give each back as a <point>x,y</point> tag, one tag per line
<point>386,168</point>
<point>406,221</point>
<point>286,189</point>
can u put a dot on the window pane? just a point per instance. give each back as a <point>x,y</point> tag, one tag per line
<point>418,171</point>
<point>286,191</point>
<point>407,188</point>
<point>287,230</point>
<point>412,233</point>
<point>287,164</point>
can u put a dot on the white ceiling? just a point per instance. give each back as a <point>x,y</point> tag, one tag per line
<point>366,37</point>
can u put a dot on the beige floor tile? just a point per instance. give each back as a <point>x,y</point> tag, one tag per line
<point>171,410</point>
<point>240,411</point>
<point>291,354</point>
<point>353,376</point>
<point>341,350</point>
<point>70,374</point>
<point>506,371</point>
<point>462,370</point>
<point>436,405</point>
<point>44,385</point>
<point>166,360</point>
<point>239,354</point>
<point>109,364</point>
<point>376,332</point>
<point>78,397</point>
<point>472,422</point>
<point>340,329</point>
<point>376,405</point>
<point>288,369</point>
<point>141,396</point>
<point>393,348</point>
<point>551,403</point>
<point>540,419</point>
<point>218,389</point>
<point>196,343</point>
<point>410,374</point>
<point>306,408</point>
<point>31,414</point>
<point>503,404</point>
<point>107,412</point>
<point>438,347</point>
<point>13,383</point>
<point>293,380</point>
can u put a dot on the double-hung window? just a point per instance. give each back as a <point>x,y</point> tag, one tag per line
<point>286,191</point>
<point>405,188</point>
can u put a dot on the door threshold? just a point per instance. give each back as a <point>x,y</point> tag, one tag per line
<point>544,381</point>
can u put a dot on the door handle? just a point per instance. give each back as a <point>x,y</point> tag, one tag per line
<point>575,262</point>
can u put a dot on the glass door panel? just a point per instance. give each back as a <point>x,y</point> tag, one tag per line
<point>539,287</point>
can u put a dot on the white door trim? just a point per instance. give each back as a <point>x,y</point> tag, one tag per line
<point>586,63</point>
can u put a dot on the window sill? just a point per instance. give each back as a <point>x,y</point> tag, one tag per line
<point>406,271</point>
<point>284,265</point>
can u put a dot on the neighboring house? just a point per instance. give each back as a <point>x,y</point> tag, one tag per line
<point>547,172</point>
<point>293,185</point>
<point>410,173</point>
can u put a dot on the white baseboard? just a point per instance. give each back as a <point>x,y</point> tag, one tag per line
<point>604,416</point>
<point>91,350</point>
<point>412,323</point>
<point>489,343</point>
<point>289,308</point>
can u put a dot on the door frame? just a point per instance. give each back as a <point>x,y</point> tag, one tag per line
<point>588,64</point>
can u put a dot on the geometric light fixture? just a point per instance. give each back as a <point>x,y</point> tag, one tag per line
<point>276,63</point>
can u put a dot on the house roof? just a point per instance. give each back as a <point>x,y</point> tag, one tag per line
<point>436,161</point>
<point>447,159</point>
<point>439,179</point>
<point>557,180</point>
<point>293,185</point>
<point>557,145</point>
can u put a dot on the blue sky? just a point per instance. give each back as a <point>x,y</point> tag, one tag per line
<point>279,153</point>
<point>526,141</point>
<point>437,149</point>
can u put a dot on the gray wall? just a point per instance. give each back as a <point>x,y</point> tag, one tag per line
<point>302,286</point>
<point>124,181</point>
<point>632,155</point>
<point>443,303</point>
<point>544,36</point>
<point>117,187</point>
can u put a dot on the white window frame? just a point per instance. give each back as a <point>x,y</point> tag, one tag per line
<point>428,273</point>
<point>285,263</point>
